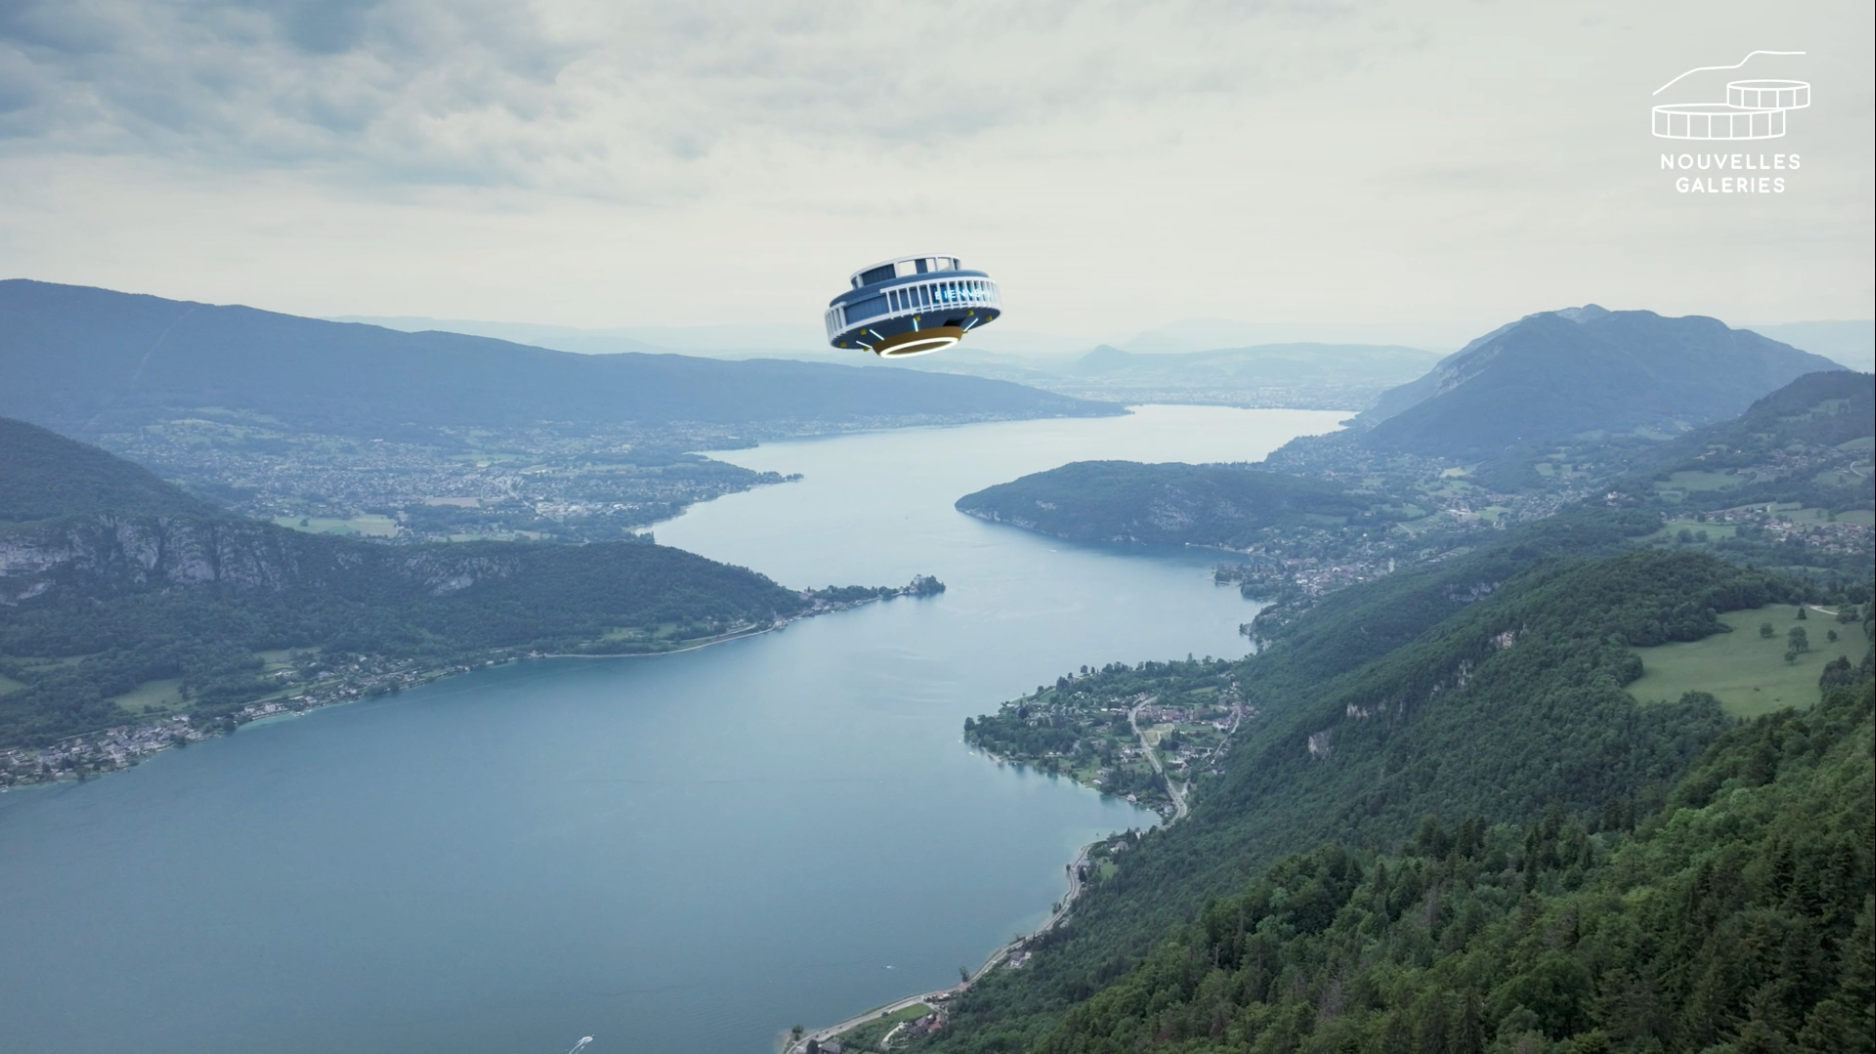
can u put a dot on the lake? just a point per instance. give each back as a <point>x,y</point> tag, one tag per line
<point>691,851</point>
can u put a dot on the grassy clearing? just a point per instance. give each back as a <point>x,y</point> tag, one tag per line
<point>1713,531</point>
<point>1152,734</point>
<point>1746,672</point>
<point>367,526</point>
<point>1701,481</point>
<point>8,684</point>
<point>868,1035</point>
<point>152,697</point>
<point>282,658</point>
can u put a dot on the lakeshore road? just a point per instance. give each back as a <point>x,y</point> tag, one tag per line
<point>996,959</point>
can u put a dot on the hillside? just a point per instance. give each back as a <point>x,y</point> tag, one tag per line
<point>1490,685</point>
<point>1735,917</point>
<point>86,361</point>
<point>43,475</point>
<point>1125,501</point>
<point>1559,374</point>
<point>126,600</point>
<point>1824,409</point>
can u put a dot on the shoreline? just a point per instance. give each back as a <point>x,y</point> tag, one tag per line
<point>119,748</point>
<point>787,1044</point>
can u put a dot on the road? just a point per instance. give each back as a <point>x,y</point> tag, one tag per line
<point>1178,794</point>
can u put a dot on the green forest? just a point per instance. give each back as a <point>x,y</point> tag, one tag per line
<point>1451,827</point>
<point>74,650</point>
<point>1202,504</point>
<point>1736,917</point>
<point>1483,697</point>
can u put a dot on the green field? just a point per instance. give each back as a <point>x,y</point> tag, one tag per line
<point>1701,481</point>
<point>868,1035</point>
<point>370,525</point>
<point>158,696</point>
<point>1746,672</point>
<point>1714,531</point>
<point>8,684</point>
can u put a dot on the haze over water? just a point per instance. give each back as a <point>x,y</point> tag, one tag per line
<point>685,852</point>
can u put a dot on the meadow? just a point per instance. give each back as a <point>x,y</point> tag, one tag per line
<point>1746,671</point>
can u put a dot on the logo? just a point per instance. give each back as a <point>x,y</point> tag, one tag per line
<point>1754,109</point>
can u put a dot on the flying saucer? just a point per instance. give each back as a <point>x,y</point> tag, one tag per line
<point>913,305</point>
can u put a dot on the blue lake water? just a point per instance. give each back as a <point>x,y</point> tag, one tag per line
<point>685,852</point>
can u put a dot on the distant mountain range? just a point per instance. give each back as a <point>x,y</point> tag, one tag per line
<point>83,361</point>
<point>1217,361</point>
<point>1297,376</point>
<point>1560,374</point>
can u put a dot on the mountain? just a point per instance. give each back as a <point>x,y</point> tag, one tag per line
<point>1490,685</point>
<point>1824,409</point>
<point>1125,501</point>
<point>1296,375</point>
<point>1850,342</point>
<point>1559,374</point>
<point>1200,334</point>
<point>83,360</point>
<point>1328,376</point>
<point>557,338</point>
<point>111,580</point>
<point>1605,932</point>
<point>44,475</point>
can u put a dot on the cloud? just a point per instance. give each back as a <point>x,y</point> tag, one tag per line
<point>630,96</point>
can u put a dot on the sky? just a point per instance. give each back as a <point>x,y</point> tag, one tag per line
<point>1402,168</point>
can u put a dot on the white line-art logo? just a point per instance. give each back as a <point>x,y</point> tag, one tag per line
<point>1753,109</point>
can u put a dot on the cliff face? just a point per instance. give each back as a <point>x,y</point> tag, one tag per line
<point>107,554</point>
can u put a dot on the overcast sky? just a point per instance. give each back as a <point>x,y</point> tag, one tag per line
<point>1116,166</point>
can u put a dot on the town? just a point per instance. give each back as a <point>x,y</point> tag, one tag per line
<point>1125,731</point>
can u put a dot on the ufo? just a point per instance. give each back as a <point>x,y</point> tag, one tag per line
<point>913,305</point>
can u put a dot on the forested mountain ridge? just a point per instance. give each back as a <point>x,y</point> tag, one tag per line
<point>1490,685</point>
<point>1125,501</point>
<point>172,607</point>
<point>1736,917</point>
<point>1786,430</point>
<point>44,475</point>
<point>1558,374</point>
<point>86,361</point>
